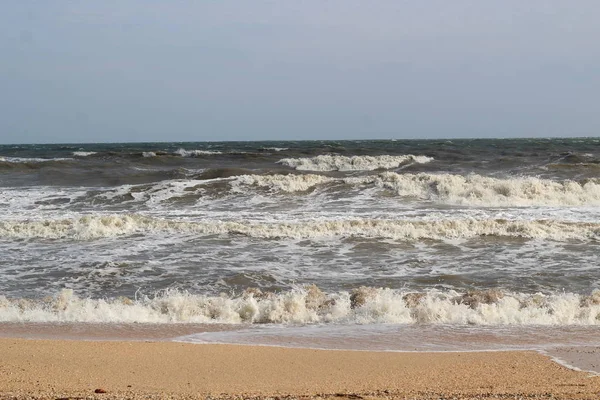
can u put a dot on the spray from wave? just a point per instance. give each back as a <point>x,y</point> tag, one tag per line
<point>306,305</point>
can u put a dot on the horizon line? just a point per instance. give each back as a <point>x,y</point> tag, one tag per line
<point>308,140</point>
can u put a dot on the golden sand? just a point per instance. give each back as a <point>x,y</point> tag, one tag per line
<point>53,369</point>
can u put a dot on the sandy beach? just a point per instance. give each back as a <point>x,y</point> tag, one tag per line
<point>53,369</point>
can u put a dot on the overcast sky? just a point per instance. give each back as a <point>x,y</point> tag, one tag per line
<point>105,71</point>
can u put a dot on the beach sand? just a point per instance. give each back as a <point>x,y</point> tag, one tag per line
<point>59,369</point>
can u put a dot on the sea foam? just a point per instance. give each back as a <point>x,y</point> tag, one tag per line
<point>20,160</point>
<point>487,191</point>
<point>104,226</point>
<point>469,190</point>
<point>285,183</point>
<point>309,304</point>
<point>195,153</point>
<point>84,153</point>
<point>354,163</point>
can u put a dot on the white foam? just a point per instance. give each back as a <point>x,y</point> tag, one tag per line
<point>486,191</point>
<point>148,154</point>
<point>195,153</point>
<point>573,360</point>
<point>285,183</point>
<point>103,226</point>
<point>30,160</point>
<point>401,191</point>
<point>308,305</point>
<point>354,163</point>
<point>470,190</point>
<point>156,193</point>
<point>84,153</point>
<point>15,201</point>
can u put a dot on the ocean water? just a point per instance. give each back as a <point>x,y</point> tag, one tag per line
<point>386,245</point>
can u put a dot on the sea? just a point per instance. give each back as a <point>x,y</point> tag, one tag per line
<point>398,245</point>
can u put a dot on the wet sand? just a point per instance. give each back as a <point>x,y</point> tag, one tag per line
<point>62,369</point>
<point>585,358</point>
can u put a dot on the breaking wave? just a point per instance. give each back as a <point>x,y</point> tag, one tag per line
<point>354,163</point>
<point>195,153</point>
<point>32,164</point>
<point>275,148</point>
<point>285,183</point>
<point>308,304</point>
<point>97,227</point>
<point>472,189</point>
<point>84,153</point>
<point>487,191</point>
<point>20,160</point>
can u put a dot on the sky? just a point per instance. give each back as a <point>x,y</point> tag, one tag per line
<point>133,70</point>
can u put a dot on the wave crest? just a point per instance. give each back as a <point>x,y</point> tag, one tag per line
<point>354,163</point>
<point>470,190</point>
<point>310,305</point>
<point>286,183</point>
<point>84,153</point>
<point>195,153</point>
<point>97,227</point>
<point>486,191</point>
<point>25,160</point>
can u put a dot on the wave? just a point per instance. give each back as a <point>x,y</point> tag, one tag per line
<point>26,160</point>
<point>97,227</point>
<point>470,190</point>
<point>214,173</point>
<point>84,153</point>
<point>32,164</point>
<point>487,191</point>
<point>195,153</point>
<point>286,183</point>
<point>309,305</point>
<point>578,158</point>
<point>354,163</point>
<point>583,166</point>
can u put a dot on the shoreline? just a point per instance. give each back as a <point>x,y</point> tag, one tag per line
<point>582,354</point>
<point>33,368</point>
